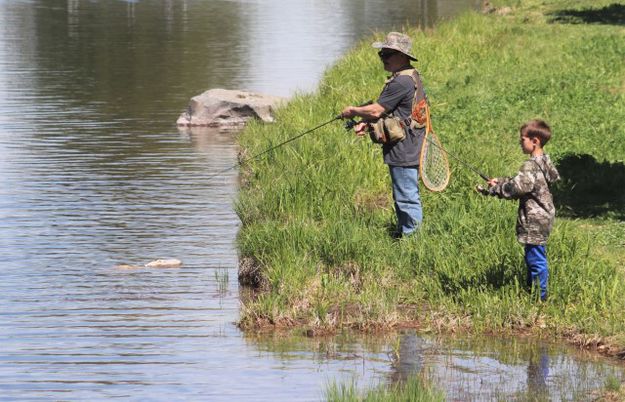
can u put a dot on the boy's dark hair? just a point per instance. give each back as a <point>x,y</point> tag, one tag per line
<point>537,129</point>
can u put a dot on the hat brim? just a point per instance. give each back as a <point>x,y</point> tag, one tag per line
<point>384,45</point>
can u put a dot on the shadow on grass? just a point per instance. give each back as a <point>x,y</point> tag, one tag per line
<point>614,14</point>
<point>499,274</point>
<point>590,188</point>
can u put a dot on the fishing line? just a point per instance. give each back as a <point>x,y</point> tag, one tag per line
<point>240,163</point>
<point>266,151</point>
<point>466,164</point>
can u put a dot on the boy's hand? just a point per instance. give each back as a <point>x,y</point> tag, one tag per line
<point>481,190</point>
<point>492,182</point>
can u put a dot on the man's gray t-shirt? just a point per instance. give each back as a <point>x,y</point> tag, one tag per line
<point>396,98</point>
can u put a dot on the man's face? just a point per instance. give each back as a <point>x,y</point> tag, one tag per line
<point>392,59</point>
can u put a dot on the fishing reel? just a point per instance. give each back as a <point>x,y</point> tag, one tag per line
<point>349,124</point>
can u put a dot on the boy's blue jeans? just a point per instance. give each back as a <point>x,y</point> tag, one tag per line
<point>405,180</point>
<point>537,268</point>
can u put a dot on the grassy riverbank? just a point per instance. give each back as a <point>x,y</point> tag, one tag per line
<point>317,213</point>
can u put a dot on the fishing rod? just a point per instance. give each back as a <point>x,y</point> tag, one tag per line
<point>349,124</point>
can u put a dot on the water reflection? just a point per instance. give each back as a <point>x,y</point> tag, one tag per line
<point>538,371</point>
<point>501,369</point>
<point>209,139</point>
<point>408,361</point>
<point>115,52</point>
<point>475,369</point>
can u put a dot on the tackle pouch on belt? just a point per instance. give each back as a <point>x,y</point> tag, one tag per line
<point>387,130</point>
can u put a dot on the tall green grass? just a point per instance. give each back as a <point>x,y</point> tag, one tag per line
<point>316,213</point>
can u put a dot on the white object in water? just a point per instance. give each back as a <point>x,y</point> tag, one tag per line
<point>164,263</point>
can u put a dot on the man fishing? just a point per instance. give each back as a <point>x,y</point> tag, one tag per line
<point>401,92</point>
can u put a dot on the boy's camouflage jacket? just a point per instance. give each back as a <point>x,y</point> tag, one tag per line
<point>531,187</point>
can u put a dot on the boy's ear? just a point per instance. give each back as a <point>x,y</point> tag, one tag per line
<point>535,141</point>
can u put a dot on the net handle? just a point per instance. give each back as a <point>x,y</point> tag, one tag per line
<point>428,120</point>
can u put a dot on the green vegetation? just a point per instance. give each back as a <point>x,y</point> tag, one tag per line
<point>317,213</point>
<point>613,391</point>
<point>612,384</point>
<point>221,279</point>
<point>412,390</point>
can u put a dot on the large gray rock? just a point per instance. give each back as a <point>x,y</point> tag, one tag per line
<point>223,107</point>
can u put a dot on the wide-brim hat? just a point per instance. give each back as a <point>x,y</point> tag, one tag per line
<point>397,41</point>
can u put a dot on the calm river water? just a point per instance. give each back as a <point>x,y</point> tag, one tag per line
<point>94,173</point>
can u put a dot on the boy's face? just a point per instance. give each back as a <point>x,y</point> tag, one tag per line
<point>528,145</point>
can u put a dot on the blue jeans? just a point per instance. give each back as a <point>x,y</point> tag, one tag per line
<point>537,268</point>
<point>405,180</point>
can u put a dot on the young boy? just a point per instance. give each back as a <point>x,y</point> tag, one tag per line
<point>536,210</point>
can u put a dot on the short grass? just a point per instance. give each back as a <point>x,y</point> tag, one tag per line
<point>316,213</point>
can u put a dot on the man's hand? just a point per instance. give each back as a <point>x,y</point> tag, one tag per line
<point>348,112</point>
<point>493,182</point>
<point>369,111</point>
